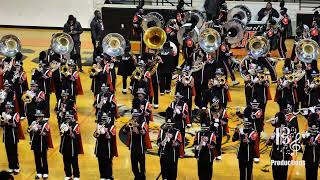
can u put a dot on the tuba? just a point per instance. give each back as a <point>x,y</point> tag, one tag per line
<point>154,37</point>
<point>209,40</point>
<point>10,45</point>
<point>28,96</point>
<point>186,30</point>
<point>240,12</point>
<point>152,17</point>
<point>196,16</point>
<point>258,46</point>
<point>235,31</point>
<point>307,50</point>
<point>62,43</point>
<point>113,44</point>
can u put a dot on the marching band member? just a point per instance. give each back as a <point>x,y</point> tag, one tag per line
<point>108,72</point>
<point>166,69</point>
<point>141,79</point>
<point>153,60</point>
<point>63,105</point>
<point>312,90</point>
<point>126,66</point>
<point>96,76</point>
<point>71,80</point>
<point>138,142</point>
<point>36,100</point>
<point>42,76</point>
<point>71,146</point>
<point>280,151</point>
<point>20,86</point>
<point>217,87</point>
<point>10,95</point>
<point>170,149</point>
<point>248,138</point>
<point>218,118</point>
<point>285,31</point>
<point>179,113</point>
<point>12,132</point>
<point>106,102</point>
<point>40,142</point>
<point>56,80</point>
<point>286,90</point>
<point>106,146</point>
<point>311,141</point>
<point>255,115</point>
<point>144,105</point>
<point>204,143</point>
<point>185,87</point>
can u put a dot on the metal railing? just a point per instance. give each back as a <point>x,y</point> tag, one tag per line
<point>309,4</point>
<point>150,2</point>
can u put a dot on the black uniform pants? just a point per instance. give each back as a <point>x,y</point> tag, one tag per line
<point>245,169</point>
<point>105,167</point>
<point>205,170</point>
<point>282,47</point>
<point>155,86</point>
<point>41,161</point>
<point>168,169</point>
<point>12,155</point>
<point>138,165</point>
<point>124,82</point>
<point>198,98</point>
<point>279,172</point>
<point>311,170</point>
<point>165,82</point>
<point>69,162</point>
<point>76,50</point>
<point>227,68</point>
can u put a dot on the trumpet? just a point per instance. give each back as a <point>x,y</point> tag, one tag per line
<point>290,77</point>
<point>95,70</point>
<point>137,74</point>
<point>132,123</point>
<point>65,70</point>
<point>100,130</point>
<point>4,118</point>
<point>35,126</point>
<point>28,96</point>
<point>261,76</point>
<point>222,80</point>
<point>186,80</point>
<point>203,143</point>
<point>316,81</point>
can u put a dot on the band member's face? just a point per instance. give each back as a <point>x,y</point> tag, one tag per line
<point>141,97</point>
<point>34,88</point>
<point>104,89</point>
<point>64,98</point>
<point>39,118</point>
<point>18,68</point>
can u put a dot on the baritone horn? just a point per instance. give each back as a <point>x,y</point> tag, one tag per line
<point>114,44</point>
<point>209,40</point>
<point>62,43</point>
<point>10,45</point>
<point>307,50</point>
<point>258,46</point>
<point>155,37</point>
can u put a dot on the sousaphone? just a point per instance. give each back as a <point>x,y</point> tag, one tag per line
<point>113,44</point>
<point>194,16</point>
<point>154,17</point>
<point>235,31</point>
<point>10,45</point>
<point>62,43</point>
<point>187,30</point>
<point>240,12</point>
<point>209,40</point>
<point>154,37</point>
<point>258,46</point>
<point>307,50</point>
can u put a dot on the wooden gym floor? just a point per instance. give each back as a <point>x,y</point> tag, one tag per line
<point>34,41</point>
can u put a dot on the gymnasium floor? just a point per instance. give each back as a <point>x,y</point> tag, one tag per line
<point>34,41</point>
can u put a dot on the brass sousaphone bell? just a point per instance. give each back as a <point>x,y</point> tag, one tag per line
<point>62,43</point>
<point>307,50</point>
<point>154,37</point>
<point>10,45</point>
<point>114,44</point>
<point>209,40</point>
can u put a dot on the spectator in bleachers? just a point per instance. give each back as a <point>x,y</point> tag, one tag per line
<point>267,12</point>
